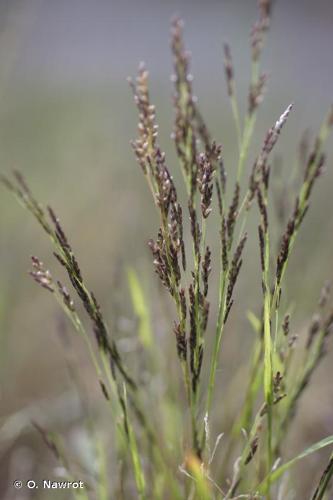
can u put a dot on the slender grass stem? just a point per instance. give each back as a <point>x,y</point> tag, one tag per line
<point>235,112</point>
<point>245,143</point>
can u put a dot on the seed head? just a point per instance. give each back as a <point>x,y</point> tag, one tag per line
<point>41,275</point>
<point>229,69</point>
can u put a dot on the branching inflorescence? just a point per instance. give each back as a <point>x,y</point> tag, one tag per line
<point>183,261</point>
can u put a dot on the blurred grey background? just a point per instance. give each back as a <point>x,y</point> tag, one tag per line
<point>66,119</point>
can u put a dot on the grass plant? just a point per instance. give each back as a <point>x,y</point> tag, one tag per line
<point>209,206</point>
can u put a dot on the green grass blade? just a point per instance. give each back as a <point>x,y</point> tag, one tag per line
<point>140,308</point>
<point>274,476</point>
<point>103,493</point>
<point>134,451</point>
<point>202,486</point>
<point>254,321</point>
<point>324,481</point>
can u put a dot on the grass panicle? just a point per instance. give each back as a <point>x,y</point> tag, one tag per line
<point>159,427</point>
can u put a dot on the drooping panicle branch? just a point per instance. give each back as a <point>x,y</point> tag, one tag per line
<point>256,94</point>
<point>206,172</point>
<point>260,28</point>
<point>235,267</point>
<point>228,69</point>
<point>145,145</point>
<point>41,275</point>
<point>232,214</point>
<point>189,125</point>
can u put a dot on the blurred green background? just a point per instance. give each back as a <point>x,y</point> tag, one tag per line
<point>66,120</point>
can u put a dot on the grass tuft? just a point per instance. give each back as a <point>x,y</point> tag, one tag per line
<point>203,210</point>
